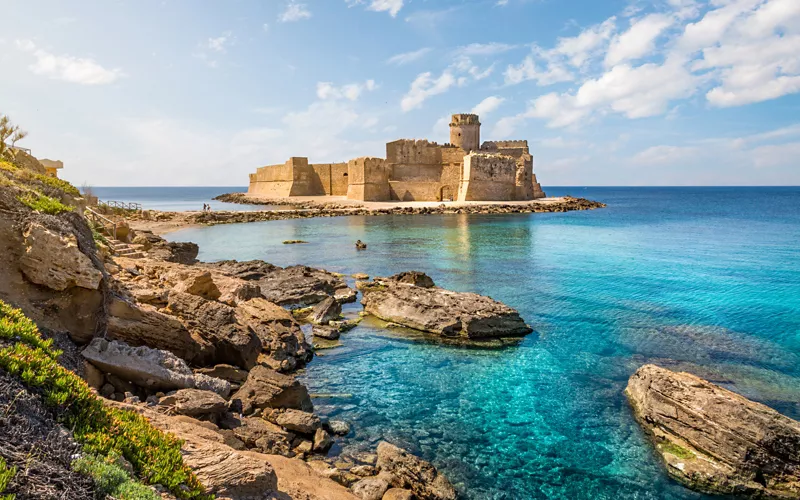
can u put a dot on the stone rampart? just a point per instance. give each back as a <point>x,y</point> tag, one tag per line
<point>369,180</point>
<point>488,177</point>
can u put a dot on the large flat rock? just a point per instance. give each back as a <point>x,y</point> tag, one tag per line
<point>412,300</point>
<point>714,440</point>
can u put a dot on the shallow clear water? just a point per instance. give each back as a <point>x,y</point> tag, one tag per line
<point>174,199</point>
<point>701,279</point>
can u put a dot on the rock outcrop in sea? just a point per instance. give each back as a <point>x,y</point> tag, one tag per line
<point>714,440</point>
<point>411,299</point>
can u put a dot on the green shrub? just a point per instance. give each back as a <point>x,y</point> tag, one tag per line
<point>111,479</point>
<point>58,184</point>
<point>155,455</point>
<point>674,449</point>
<point>6,475</point>
<point>43,204</point>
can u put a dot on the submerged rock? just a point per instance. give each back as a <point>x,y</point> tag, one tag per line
<point>714,440</point>
<point>412,300</point>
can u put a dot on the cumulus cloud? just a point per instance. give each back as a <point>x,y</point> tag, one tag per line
<point>639,40</point>
<point>488,105</point>
<point>408,57</point>
<point>736,52</point>
<point>71,69</point>
<point>294,12</point>
<point>425,86</point>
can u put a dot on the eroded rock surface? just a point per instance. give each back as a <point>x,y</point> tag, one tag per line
<point>436,310</point>
<point>55,261</point>
<point>265,388</point>
<point>413,473</point>
<point>292,286</point>
<point>714,440</point>
<point>148,368</point>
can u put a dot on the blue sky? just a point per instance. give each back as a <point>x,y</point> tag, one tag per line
<point>191,92</point>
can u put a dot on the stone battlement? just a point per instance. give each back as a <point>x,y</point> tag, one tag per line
<point>414,170</point>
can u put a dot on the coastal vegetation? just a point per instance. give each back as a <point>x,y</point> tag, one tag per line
<point>154,455</point>
<point>6,475</point>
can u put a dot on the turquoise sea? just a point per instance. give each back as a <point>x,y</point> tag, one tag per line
<point>700,279</point>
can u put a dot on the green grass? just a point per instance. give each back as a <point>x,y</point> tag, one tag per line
<point>57,183</point>
<point>111,479</point>
<point>44,204</point>
<point>6,475</point>
<point>674,449</point>
<point>155,455</point>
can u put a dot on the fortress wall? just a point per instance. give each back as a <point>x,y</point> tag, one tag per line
<point>272,181</point>
<point>332,178</point>
<point>414,191</point>
<point>537,189</point>
<point>412,152</point>
<point>369,180</point>
<point>488,177</point>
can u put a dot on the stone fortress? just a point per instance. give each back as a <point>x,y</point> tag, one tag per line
<point>414,170</point>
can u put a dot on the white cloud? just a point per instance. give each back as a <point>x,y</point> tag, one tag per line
<point>408,57</point>
<point>390,6</point>
<point>579,49</point>
<point>549,74</point>
<point>425,86</point>
<point>294,12</point>
<point>776,155</point>
<point>351,91</point>
<point>485,49</point>
<point>219,44</point>
<point>70,69</point>
<point>488,105</point>
<point>639,40</point>
<point>501,3</point>
<point>664,155</point>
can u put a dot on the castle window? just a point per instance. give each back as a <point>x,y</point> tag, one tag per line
<point>345,174</point>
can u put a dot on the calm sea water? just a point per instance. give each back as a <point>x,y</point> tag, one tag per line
<point>701,279</point>
<point>177,199</point>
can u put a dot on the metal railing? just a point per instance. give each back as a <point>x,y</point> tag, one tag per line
<point>120,204</point>
<point>109,225</point>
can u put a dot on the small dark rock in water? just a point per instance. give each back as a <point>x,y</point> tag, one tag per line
<point>360,245</point>
<point>415,278</point>
<point>293,242</point>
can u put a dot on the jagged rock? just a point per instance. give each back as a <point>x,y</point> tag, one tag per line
<point>439,311</point>
<point>150,296</point>
<point>415,278</point>
<point>235,291</point>
<point>226,341</point>
<point>146,367</point>
<point>364,470</point>
<point>55,261</point>
<point>225,472</point>
<point>230,373</point>
<point>322,441</point>
<point>371,488</point>
<point>714,440</point>
<point>195,403</point>
<point>265,388</point>
<point>304,447</point>
<point>292,286</point>
<point>256,432</point>
<point>360,276</point>
<point>181,253</point>
<point>398,494</point>
<point>201,284</point>
<point>139,325</point>
<point>297,420</point>
<point>206,383</point>
<point>338,427</point>
<point>326,332</point>
<point>284,346</point>
<point>327,310</point>
<point>413,473</point>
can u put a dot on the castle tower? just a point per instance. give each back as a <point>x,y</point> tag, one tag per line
<point>465,132</point>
